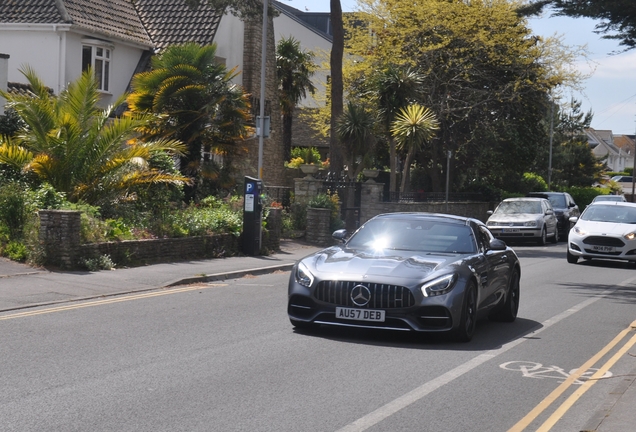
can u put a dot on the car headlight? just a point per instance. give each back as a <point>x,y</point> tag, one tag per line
<point>630,236</point>
<point>303,275</point>
<point>439,286</point>
<point>491,223</point>
<point>532,223</point>
<point>579,231</point>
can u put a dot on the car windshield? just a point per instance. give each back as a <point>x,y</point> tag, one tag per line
<point>519,207</point>
<point>414,235</point>
<point>610,213</point>
<point>608,198</point>
<point>558,201</point>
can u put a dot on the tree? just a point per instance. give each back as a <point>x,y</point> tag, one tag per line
<point>294,69</point>
<point>484,76</point>
<point>198,104</point>
<point>618,16</point>
<point>394,87</point>
<point>72,144</point>
<point>412,127</point>
<point>573,161</point>
<point>355,132</point>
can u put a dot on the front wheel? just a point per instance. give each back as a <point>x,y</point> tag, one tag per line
<point>543,239</point>
<point>509,311</point>
<point>572,259</point>
<point>555,239</point>
<point>468,319</point>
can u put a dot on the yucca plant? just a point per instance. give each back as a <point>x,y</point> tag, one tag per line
<point>412,127</point>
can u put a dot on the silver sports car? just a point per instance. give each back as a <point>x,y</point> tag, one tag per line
<point>418,272</point>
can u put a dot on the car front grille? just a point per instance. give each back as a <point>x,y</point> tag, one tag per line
<point>604,241</point>
<point>383,296</point>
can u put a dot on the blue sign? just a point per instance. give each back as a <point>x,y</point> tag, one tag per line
<point>249,188</point>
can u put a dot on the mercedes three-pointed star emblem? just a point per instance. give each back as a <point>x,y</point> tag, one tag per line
<point>360,295</point>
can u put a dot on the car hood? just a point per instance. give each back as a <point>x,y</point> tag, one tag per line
<point>514,217</point>
<point>353,264</point>
<point>607,228</point>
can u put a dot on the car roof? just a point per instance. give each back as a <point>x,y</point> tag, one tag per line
<point>530,194</point>
<point>614,203</point>
<point>424,215</point>
<point>526,199</point>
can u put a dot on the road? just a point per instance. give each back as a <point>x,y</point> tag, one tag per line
<point>223,357</point>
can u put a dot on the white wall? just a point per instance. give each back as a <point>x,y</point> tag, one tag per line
<point>285,26</point>
<point>36,45</point>
<point>229,39</point>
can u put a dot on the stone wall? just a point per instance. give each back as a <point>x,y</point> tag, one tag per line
<point>318,231</point>
<point>60,237</point>
<point>372,205</point>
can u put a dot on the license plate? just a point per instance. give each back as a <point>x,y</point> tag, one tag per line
<point>510,230</point>
<point>360,314</point>
<point>603,248</point>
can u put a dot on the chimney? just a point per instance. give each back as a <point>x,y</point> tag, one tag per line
<point>4,77</point>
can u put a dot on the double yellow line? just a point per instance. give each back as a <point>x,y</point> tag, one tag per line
<point>565,406</point>
<point>108,301</point>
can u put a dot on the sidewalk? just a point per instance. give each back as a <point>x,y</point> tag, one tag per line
<point>23,287</point>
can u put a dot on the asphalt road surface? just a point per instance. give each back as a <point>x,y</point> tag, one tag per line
<point>223,357</point>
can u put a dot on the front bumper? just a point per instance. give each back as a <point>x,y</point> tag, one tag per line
<point>607,248</point>
<point>516,232</point>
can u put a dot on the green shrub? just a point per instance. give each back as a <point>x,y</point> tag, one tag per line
<point>102,262</point>
<point>583,196</point>
<point>16,251</point>
<point>13,208</point>
<point>532,182</point>
<point>329,201</point>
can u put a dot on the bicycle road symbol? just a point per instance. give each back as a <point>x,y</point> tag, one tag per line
<point>537,370</point>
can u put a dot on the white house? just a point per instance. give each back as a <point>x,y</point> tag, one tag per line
<point>60,38</point>
<point>602,144</point>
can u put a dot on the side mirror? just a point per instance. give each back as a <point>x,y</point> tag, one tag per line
<point>549,212</point>
<point>574,219</point>
<point>497,245</point>
<point>340,235</point>
<point>489,212</point>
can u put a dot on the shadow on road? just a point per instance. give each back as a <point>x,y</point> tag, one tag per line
<point>489,335</point>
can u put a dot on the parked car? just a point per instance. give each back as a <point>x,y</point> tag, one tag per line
<point>610,198</point>
<point>604,230</point>
<point>622,179</point>
<point>418,272</point>
<point>524,219</point>
<point>564,208</point>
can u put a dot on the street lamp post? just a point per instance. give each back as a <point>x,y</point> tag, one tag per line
<point>262,101</point>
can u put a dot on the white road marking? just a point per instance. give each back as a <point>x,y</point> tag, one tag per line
<point>415,395</point>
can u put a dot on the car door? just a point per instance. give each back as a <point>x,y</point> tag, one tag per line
<point>549,217</point>
<point>494,275</point>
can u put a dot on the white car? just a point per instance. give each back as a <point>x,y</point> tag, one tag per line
<point>604,230</point>
<point>606,198</point>
<point>524,219</point>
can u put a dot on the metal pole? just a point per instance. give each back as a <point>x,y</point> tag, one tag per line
<point>262,101</point>
<point>551,136</point>
<point>448,156</point>
<point>633,170</point>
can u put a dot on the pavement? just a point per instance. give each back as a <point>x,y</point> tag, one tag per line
<point>24,287</point>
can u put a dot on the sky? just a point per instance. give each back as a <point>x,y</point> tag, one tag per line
<point>610,92</point>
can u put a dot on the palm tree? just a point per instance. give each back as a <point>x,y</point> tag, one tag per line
<point>198,102</point>
<point>294,68</point>
<point>72,144</point>
<point>394,87</point>
<point>412,126</point>
<point>355,131</point>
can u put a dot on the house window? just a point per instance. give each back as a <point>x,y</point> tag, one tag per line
<point>98,57</point>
